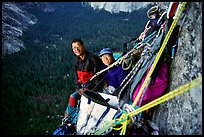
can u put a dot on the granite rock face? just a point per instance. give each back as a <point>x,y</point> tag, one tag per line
<point>15,20</point>
<point>116,7</point>
<point>182,115</point>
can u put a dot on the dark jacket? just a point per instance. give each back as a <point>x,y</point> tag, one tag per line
<point>115,75</point>
<point>86,68</point>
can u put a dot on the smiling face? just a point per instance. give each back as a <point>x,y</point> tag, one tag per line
<point>78,49</point>
<point>107,59</point>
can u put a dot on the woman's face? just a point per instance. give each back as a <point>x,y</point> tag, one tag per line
<point>107,59</point>
<point>78,49</point>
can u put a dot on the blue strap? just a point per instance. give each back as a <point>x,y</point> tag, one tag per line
<point>104,113</point>
<point>89,101</point>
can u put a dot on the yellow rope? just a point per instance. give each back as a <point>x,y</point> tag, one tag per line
<point>159,53</point>
<point>160,100</point>
<point>170,95</point>
<point>124,127</point>
<point>124,123</point>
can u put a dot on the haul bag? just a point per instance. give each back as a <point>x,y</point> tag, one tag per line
<point>95,109</point>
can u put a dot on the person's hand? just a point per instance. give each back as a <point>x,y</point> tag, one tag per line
<point>80,91</point>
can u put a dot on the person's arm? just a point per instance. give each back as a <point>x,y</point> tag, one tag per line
<point>76,75</point>
<point>97,66</point>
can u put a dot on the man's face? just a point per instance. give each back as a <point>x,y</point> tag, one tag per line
<point>77,48</point>
<point>107,59</point>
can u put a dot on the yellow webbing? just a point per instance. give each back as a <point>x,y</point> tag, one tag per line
<point>124,120</point>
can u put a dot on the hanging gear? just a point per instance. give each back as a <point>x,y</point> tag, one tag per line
<point>153,12</point>
<point>159,53</point>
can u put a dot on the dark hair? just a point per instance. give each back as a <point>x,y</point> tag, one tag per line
<point>77,40</point>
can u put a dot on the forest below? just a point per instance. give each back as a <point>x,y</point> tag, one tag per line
<point>34,92</point>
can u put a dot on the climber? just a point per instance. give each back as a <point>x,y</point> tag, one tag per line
<point>156,16</point>
<point>115,75</point>
<point>86,65</point>
<point>96,107</point>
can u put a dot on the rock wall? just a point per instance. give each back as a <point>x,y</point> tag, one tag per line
<point>116,7</point>
<point>15,20</point>
<point>182,115</point>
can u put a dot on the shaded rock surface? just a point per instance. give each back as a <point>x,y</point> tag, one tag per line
<point>182,115</point>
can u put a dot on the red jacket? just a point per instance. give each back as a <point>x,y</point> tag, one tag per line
<point>86,68</point>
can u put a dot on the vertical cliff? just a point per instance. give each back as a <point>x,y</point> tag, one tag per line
<point>183,114</point>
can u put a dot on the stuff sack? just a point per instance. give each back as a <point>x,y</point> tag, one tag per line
<point>156,87</point>
<point>95,110</point>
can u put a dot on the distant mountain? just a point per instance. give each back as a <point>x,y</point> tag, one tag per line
<point>116,7</point>
<point>16,19</point>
